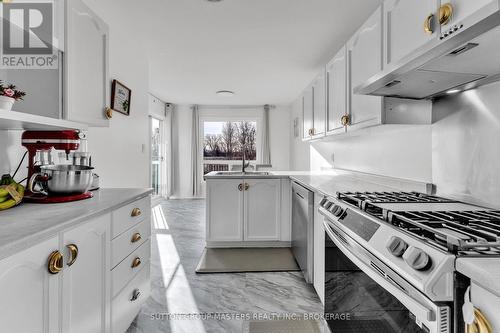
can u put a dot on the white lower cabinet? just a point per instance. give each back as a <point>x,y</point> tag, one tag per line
<point>262,209</point>
<point>63,284</point>
<point>30,295</point>
<point>246,210</point>
<point>85,291</point>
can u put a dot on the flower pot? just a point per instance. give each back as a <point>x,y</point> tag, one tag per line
<point>6,103</point>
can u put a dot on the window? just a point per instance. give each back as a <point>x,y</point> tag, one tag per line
<point>224,143</point>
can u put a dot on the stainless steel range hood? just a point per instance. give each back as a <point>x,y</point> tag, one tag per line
<point>463,61</point>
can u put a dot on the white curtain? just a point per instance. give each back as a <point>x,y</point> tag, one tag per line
<point>266,151</point>
<point>195,153</point>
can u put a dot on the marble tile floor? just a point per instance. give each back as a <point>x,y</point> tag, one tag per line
<point>183,301</point>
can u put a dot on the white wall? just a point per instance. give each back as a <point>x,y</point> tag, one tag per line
<point>465,145</point>
<point>121,152</point>
<point>279,123</point>
<point>299,150</point>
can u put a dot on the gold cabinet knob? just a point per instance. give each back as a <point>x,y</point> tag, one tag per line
<point>136,262</point>
<point>240,187</point>
<point>345,120</point>
<point>429,24</point>
<point>136,237</point>
<point>55,262</point>
<point>108,112</point>
<point>445,13</point>
<point>247,186</point>
<point>73,252</point>
<point>480,324</point>
<point>136,212</point>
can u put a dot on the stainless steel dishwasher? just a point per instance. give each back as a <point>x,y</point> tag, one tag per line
<point>302,229</point>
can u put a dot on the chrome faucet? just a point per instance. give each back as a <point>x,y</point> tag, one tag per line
<point>243,164</point>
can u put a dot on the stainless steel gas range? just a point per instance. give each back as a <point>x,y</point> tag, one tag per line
<point>390,260</point>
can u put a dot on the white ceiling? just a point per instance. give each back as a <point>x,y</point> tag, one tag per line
<point>266,51</point>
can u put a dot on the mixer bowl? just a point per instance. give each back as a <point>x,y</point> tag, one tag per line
<point>67,179</point>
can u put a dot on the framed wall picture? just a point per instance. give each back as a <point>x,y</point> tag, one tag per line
<point>120,97</point>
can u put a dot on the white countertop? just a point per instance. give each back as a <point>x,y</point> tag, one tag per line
<point>483,271</point>
<point>332,181</point>
<point>28,223</point>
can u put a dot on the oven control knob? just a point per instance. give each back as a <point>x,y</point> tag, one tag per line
<point>396,246</point>
<point>417,259</point>
<point>337,211</point>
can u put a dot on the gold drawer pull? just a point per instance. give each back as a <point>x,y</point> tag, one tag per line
<point>55,262</point>
<point>135,295</point>
<point>136,262</point>
<point>73,250</point>
<point>428,24</point>
<point>345,120</point>
<point>136,237</point>
<point>136,212</point>
<point>445,13</point>
<point>247,186</point>
<point>240,187</point>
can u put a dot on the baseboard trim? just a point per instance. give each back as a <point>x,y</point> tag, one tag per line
<point>211,244</point>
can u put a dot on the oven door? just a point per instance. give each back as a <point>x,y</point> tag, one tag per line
<point>361,295</point>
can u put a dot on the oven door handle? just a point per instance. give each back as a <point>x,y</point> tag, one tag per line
<point>355,253</point>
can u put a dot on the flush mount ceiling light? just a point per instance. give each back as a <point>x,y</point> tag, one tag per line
<point>225,93</point>
<point>214,0</point>
<point>453,91</point>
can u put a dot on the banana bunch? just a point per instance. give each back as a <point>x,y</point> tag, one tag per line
<point>11,193</point>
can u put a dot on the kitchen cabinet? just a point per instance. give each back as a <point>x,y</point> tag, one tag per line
<point>404,23</point>
<point>262,209</point>
<point>30,295</point>
<point>63,284</point>
<point>308,112</point>
<point>224,210</point>
<point>364,51</point>
<point>319,105</point>
<point>464,10</point>
<point>85,283</point>
<point>86,65</point>
<point>247,211</point>
<point>336,78</point>
<point>314,108</point>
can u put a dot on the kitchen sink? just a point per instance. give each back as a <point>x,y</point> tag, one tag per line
<point>240,173</point>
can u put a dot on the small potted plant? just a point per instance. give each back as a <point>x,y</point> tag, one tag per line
<point>8,95</point>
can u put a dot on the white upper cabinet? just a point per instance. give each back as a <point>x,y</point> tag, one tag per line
<point>465,9</point>
<point>364,51</point>
<point>86,65</point>
<point>410,25</point>
<point>319,105</point>
<point>336,78</point>
<point>307,112</point>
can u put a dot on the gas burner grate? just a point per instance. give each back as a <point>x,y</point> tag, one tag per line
<point>357,198</point>
<point>462,232</point>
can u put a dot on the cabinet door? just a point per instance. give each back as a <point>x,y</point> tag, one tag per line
<point>336,73</point>
<point>262,217</point>
<point>86,282</point>
<point>224,210</point>
<point>463,9</point>
<point>319,105</point>
<point>30,294</point>
<point>307,112</point>
<point>404,27</point>
<point>86,64</point>
<point>365,60</point>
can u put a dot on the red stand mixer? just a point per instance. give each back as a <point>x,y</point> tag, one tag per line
<point>60,183</point>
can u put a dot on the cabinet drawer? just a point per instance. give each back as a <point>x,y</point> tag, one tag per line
<point>128,241</point>
<point>124,272</point>
<point>129,215</point>
<point>124,307</point>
